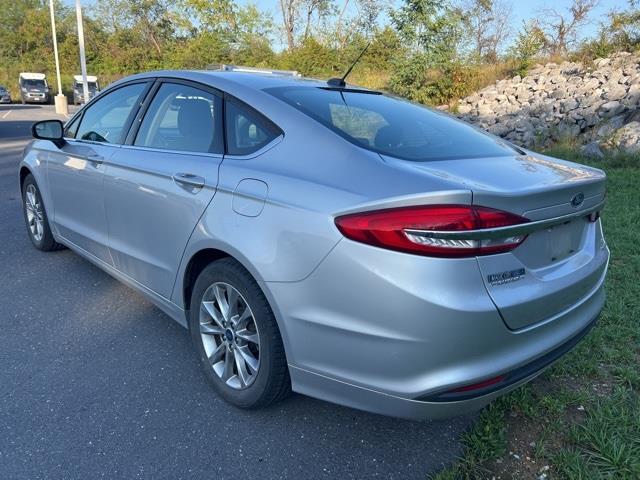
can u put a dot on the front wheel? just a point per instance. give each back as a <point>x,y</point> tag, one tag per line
<point>36,218</point>
<point>236,337</point>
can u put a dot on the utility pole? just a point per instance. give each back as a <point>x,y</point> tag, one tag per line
<point>83,60</point>
<point>60,99</point>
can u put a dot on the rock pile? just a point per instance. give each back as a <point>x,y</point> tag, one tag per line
<point>599,105</point>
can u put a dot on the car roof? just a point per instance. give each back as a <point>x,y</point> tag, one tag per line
<point>90,78</point>
<point>32,76</point>
<point>253,80</point>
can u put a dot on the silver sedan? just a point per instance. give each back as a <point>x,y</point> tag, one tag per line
<point>324,238</point>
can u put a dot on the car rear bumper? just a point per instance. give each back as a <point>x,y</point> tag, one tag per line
<point>388,332</point>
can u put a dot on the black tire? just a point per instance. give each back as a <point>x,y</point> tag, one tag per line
<point>46,243</point>
<point>272,382</point>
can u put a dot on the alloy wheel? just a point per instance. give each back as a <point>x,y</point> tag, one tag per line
<point>35,216</point>
<point>230,335</point>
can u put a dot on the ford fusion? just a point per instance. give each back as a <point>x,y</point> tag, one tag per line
<point>324,238</point>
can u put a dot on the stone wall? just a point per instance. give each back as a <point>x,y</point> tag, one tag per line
<point>598,104</point>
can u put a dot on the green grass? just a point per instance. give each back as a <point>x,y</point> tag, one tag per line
<point>586,408</point>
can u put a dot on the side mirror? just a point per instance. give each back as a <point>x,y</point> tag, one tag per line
<point>49,130</point>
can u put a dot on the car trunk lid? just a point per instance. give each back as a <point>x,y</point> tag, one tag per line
<point>564,255</point>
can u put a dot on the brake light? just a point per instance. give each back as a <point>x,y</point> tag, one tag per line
<point>422,230</point>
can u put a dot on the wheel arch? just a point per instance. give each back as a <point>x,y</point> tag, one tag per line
<point>202,257</point>
<point>198,262</point>
<point>24,171</point>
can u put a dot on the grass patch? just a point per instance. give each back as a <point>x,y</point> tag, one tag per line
<point>581,418</point>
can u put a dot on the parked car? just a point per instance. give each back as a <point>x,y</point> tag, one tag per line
<point>5,96</point>
<point>78,89</point>
<point>328,239</point>
<point>34,88</point>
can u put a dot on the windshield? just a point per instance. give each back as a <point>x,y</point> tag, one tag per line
<point>31,83</point>
<point>91,85</point>
<point>392,126</point>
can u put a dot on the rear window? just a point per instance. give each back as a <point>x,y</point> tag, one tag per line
<point>392,126</point>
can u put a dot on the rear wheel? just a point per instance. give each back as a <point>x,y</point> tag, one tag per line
<point>236,337</point>
<point>35,217</point>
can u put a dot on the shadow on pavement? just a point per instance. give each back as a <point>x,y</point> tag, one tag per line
<point>18,106</point>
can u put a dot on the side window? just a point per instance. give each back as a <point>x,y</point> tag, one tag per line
<point>106,120</point>
<point>182,118</point>
<point>71,128</point>
<point>247,131</point>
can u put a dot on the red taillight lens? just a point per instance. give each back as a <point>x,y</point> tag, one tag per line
<point>479,385</point>
<point>414,229</point>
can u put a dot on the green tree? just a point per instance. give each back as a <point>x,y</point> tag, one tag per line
<point>432,31</point>
<point>529,42</point>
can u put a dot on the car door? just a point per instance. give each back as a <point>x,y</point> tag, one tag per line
<point>76,170</point>
<point>160,182</point>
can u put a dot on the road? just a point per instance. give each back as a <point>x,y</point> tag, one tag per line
<point>95,382</point>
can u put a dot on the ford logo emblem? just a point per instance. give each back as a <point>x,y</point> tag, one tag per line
<point>577,200</point>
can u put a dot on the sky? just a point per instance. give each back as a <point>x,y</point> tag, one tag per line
<point>522,10</point>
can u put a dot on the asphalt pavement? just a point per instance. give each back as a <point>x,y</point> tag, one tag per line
<point>95,382</point>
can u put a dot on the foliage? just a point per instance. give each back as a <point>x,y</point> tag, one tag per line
<point>432,51</point>
<point>620,32</point>
<point>527,46</point>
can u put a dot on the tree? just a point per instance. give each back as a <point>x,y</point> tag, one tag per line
<point>561,29</point>
<point>299,15</point>
<point>529,42</point>
<point>488,25</point>
<point>432,28</point>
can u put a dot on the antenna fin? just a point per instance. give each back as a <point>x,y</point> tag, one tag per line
<point>340,82</point>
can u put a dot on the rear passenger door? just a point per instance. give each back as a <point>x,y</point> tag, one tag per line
<point>159,183</point>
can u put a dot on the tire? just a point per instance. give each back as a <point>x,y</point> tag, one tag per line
<point>271,382</point>
<point>33,209</point>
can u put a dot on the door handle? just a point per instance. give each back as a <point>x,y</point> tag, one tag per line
<point>95,158</point>
<point>189,179</point>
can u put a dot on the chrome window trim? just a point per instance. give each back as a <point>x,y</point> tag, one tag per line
<point>91,142</point>
<point>504,232</point>
<point>179,152</point>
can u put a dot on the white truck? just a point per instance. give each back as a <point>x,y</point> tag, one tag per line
<point>34,88</point>
<point>78,90</point>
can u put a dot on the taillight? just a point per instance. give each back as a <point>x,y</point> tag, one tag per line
<point>429,230</point>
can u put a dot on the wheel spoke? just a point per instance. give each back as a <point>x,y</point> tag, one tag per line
<point>228,366</point>
<point>211,329</point>
<point>213,312</point>
<point>251,361</point>
<point>216,356</point>
<point>241,366</point>
<point>221,299</point>
<point>31,198</point>
<point>232,303</point>
<point>248,336</point>
<point>241,321</point>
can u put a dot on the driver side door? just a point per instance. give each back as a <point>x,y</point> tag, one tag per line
<point>76,170</point>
